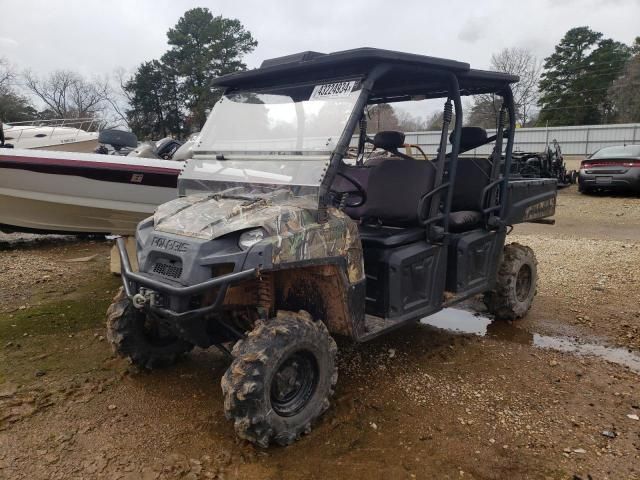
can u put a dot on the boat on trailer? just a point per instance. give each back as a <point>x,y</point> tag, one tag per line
<point>67,192</point>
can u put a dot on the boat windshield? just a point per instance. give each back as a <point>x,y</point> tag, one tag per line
<point>271,139</point>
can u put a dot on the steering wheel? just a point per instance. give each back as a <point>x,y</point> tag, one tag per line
<point>358,191</point>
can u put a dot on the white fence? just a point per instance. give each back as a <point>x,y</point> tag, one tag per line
<point>578,140</point>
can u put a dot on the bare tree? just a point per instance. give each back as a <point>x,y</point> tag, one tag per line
<point>6,74</point>
<point>118,98</point>
<point>521,62</point>
<point>68,95</point>
<point>410,123</point>
<point>435,121</point>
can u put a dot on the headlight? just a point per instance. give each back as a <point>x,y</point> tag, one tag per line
<point>249,238</point>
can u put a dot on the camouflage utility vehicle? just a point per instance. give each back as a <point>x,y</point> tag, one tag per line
<point>293,225</point>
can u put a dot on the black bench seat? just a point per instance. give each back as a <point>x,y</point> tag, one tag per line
<point>387,237</point>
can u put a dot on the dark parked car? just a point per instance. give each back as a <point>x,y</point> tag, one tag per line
<point>611,168</point>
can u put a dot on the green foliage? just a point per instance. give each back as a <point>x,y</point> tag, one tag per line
<point>484,112</point>
<point>15,107</point>
<point>624,93</point>
<point>381,117</point>
<point>173,94</point>
<point>577,76</point>
<point>155,106</point>
<point>635,48</point>
<point>204,47</point>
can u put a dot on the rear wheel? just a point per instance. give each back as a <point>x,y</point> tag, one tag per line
<point>140,339</point>
<point>583,189</point>
<point>516,283</point>
<point>281,379</point>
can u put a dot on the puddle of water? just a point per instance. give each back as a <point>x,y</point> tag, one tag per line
<point>458,321</point>
<point>463,321</point>
<point>621,356</point>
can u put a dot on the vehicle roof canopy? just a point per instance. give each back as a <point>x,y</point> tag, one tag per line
<point>408,76</point>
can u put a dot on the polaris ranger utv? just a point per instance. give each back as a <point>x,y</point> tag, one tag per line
<point>285,234</point>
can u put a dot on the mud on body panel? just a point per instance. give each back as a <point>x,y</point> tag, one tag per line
<point>338,237</point>
<point>289,222</point>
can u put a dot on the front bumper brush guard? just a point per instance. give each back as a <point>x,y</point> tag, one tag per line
<point>141,280</point>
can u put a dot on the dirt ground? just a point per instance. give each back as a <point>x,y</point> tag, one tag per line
<point>555,395</point>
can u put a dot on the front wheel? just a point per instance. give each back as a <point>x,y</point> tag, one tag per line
<point>281,379</point>
<point>144,342</point>
<point>516,283</point>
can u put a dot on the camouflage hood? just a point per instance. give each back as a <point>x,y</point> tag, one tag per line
<point>289,222</point>
<point>209,216</point>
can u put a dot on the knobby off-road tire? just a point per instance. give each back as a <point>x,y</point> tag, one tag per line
<point>516,283</point>
<point>131,337</point>
<point>281,379</point>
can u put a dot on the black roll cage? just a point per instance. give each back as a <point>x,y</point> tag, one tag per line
<point>439,200</point>
<point>388,77</point>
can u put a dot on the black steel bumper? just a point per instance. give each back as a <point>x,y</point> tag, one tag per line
<point>132,281</point>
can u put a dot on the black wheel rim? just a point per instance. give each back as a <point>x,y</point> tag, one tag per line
<point>294,383</point>
<point>523,282</point>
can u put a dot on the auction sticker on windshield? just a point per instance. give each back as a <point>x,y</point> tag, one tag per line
<point>332,90</point>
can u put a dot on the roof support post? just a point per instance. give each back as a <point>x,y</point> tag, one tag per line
<point>454,94</point>
<point>508,100</point>
<point>345,139</point>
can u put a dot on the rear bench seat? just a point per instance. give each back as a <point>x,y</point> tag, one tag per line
<point>472,176</point>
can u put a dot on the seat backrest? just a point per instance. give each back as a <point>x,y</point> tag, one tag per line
<point>472,176</point>
<point>394,188</point>
<point>470,137</point>
<point>389,140</point>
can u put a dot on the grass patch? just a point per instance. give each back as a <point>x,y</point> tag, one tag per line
<point>39,336</point>
<point>85,310</point>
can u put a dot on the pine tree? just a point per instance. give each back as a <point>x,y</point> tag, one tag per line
<point>204,47</point>
<point>624,93</point>
<point>577,76</point>
<point>155,111</point>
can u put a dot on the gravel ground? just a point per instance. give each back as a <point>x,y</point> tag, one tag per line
<point>38,268</point>
<point>419,403</point>
<point>592,283</point>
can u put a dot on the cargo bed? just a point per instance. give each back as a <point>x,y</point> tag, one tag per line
<point>530,199</point>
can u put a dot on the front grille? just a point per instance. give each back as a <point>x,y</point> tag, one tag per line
<point>167,268</point>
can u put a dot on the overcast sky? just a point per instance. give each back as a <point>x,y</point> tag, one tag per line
<point>96,37</point>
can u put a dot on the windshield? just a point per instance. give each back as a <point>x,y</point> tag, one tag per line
<point>270,140</point>
<point>295,120</point>
<point>618,152</point>
<point>301,176</point>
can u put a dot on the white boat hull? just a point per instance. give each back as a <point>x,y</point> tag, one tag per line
<point>86,146</point>
<point>52,137</point>
<point>50,202</point>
